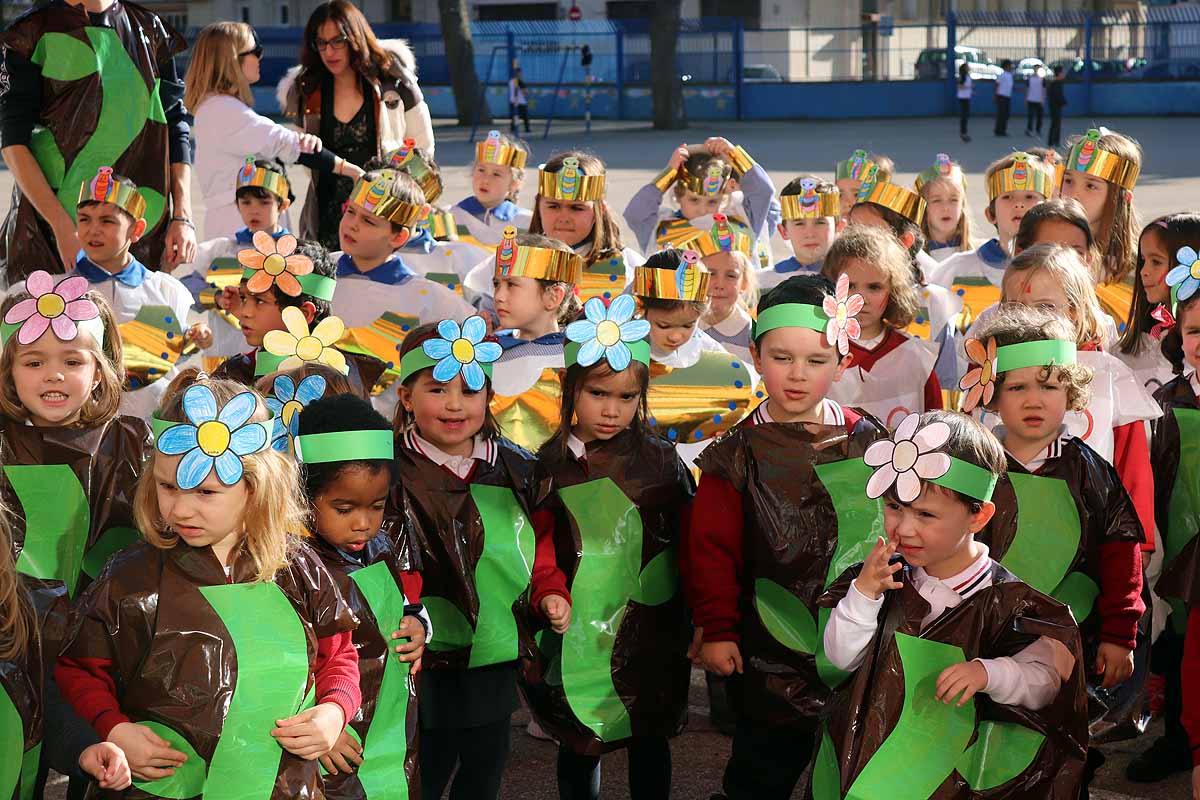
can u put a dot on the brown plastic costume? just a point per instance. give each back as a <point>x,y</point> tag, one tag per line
<point>100,97</point>
<point>184,665</point>
<point>1177,493</point>
<point>806,521</point>
<point>888,733</point>
<point>374,650</point>
<point>621,669</point>
<point>73,488</point>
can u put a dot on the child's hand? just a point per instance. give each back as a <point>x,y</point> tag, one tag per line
<point>200,335</point>
<point>718,146</point>
<point>312,733</point>
<point>876,575</point>
<point>693,652</point>
<point>310,143</point>
<point>230,299</point>
<point>723,658</point>
<point>678,158</point>
<point>968,678</point>
<point>107,764</point>
<point>412,650</point>
<point>150,757</point>
<point>557,612</point>
<point>1195,783</point>
<point>346,752</point>
<point>1115,663</point>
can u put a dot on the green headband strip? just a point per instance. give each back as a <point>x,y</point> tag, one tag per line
<point>94,326</point>
<point>1042,353</point>
<point>969,479</point>
<point>416,360</point>
<point>265,363</point>
<point>318,286</point>
<point>323,448</point>
<point>790,315</point>
<point>158,426</point>
<point>639,350</point>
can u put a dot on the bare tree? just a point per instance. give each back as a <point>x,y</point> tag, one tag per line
<point>666,85</point>
<point>469,103</point>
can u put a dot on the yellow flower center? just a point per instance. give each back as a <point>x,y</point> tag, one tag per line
<point>463,351</point>
<point>841,314</point>
<point>51,305</point>
<point>904,457</point>
<point>274,264</point>
<point>290,408</point>
<point>608,333</point>
<point>309,348</point>
<point>1195,271</point>
<point>985,375</point>
<point>213,437</point>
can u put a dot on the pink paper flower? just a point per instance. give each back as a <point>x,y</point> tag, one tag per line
<point>54,307</point>
<point>842,310</point>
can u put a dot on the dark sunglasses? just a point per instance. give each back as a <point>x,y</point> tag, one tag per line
<point>257,52</point>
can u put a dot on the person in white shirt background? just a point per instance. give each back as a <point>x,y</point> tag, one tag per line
<point>966,87</point>
<point>1004,89</point>
<point>1035,97</point>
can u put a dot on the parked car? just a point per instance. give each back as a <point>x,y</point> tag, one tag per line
<point>931,63</point>
<point>1026,67</point>
<point>1165,70</point>
<point>1101,70</point>
<point>760,73</point>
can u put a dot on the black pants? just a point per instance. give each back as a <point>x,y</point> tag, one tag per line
<point>481,754</point>
<point>1033,117</point>
<point>649,771</point>
<point>1002,108</point>
<point>767,762</point>
<point>522,111</point>
<point>964,114</point>
<point>1053,138</point>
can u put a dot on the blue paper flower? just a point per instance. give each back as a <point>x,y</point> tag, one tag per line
<point>287,401</point>
<point>215,437</point>
<point>462,350</point>
<point>1187,275</point>
<point>605,331</point>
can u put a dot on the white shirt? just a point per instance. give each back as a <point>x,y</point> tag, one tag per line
<point>482,450</point>
<point>1037,89</point>
<point>831,414</point>
<point>965,88</point>
<point>1004,84</point>
<point>1030,679</point>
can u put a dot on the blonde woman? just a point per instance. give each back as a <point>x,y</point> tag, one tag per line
<point>225,62</point>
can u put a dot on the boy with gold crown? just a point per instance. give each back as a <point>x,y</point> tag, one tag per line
<point>534,282</point>
<point>496,179</point>
<point>812,219</point>
<point>379,296</point>
<point>698,390</point>
<point>713,178</point>
<point>151,306</point>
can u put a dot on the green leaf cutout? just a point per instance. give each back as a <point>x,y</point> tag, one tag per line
<point>57,518</point>
<point>1001,752</point>
<point>1048,531</point>
<point>451,630</point>
<point>826,774</point>
<point>188,780</point>
<point>659,581</point>
<point>1183,514</point>
<point>1079,592</point>
<point>111,541</point>
<point>785,616</point>
<point>502,573</point>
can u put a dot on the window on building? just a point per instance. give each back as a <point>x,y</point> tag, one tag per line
<point>749,10</point>
<point>244,13</point>
<point>285,14</point>
<point>402,11</point>
<point>628,9</point>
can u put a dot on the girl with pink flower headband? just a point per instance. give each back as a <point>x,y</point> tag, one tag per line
<point>891,373</point>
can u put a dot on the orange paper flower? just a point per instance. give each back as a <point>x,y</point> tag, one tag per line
<point>275,263</point>
<point>980,382</point>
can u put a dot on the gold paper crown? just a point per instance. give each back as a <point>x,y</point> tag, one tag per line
<point>440,224</point>
<point>855,167</point>
<point>813,201</point>
<point>570,183</point>
<point>375,196</point>
<point>274,182</point>
<point>492,151</point>
<point>904,202</point>
<point>106,188</point>
<point>406,159</point>
<point>1087,156</point>
<point>688,281</point>
<point>711,183</point>
<point>725,236</point>
<point>1028,173</point>
<point>542,263</point>
<point>943,167</point>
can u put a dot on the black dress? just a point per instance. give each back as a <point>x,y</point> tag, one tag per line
<point>355,142</point>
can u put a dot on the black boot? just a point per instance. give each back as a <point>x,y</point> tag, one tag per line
<point>1166,756</point>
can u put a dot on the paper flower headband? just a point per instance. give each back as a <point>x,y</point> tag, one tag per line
<point>274,262</point>
<point>913,455</point>
<point>610,332</point>
<point>989,361</point>
<point>493,151</point>
<point>1184,278</point>
<point>455,351</point>
<point>286,401</point>
<point>253,175</point>
<point>297,346</point>
<point>213,437</point>
<point>836,317</point>
<point>57,308</point>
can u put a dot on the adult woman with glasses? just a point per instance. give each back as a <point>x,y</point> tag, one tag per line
<point>359,95</point>
<point>225,62</point>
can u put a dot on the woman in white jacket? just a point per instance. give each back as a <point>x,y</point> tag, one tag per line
<point>359,95</point>
<point>225,61</point>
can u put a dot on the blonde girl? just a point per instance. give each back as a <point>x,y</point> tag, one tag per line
<point>947,222</point>
<point>732,292</point>
<point>497,177</point>
<point>222,591</point>
<point>891,373</point>
<point>225,62</point>
<point>1054,278</point>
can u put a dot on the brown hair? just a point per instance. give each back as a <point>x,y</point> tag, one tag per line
<point>1063,209</point>
<point>574,377</point>
<point>404,421</point>
<point>367,56</point>
<point>335,382</point>
<point>1068,270</point>
<point>606,234</point>
<point>876,247</point>
<point>275,509</point>
<point>969,441</point>
<point>214,67</point>
<point>17,619</point>
<point>659,304</point>
<point>963,229</point>
<point>1117,238</point>
<point>105,401</point>
<point>697,164</point>
<point>1014,323</point>
<point>885,167</point>
<point>1175,231</point>
<point>403,188</point>
<point>1172,342</point>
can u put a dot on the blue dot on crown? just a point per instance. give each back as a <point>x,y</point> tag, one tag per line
<point>168,319</point>
<point>391,365</point>
<point>698,435</point>
<point>961,292</point>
